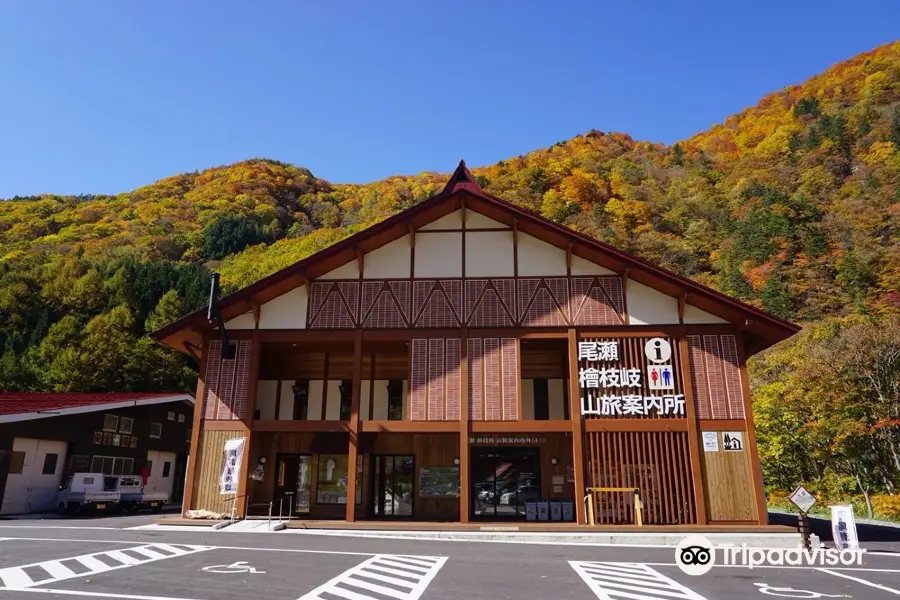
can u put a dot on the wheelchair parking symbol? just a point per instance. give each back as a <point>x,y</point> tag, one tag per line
<point>233,568</point>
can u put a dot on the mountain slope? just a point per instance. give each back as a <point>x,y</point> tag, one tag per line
<point>791,205</point>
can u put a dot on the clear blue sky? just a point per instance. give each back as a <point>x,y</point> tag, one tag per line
<point>105,96</point>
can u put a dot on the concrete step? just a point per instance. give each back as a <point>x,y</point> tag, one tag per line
<point>250,526</point>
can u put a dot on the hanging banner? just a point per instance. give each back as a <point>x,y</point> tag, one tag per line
<point>231,469</point>
<point>843,527</point>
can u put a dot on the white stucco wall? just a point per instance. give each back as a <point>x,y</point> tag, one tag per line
<point>451,221</point>
<point>647,306</point>
<point>537,258</point>
<point>476,220</point>
<point>694,316</point>
<point>349,270</point>
<point>489,254</point>
<point>244,321</point>
<point>438,255</point>
<point>582,267</point>
<point>265,398</point>
<point>287,311</point>
<point>391,261</point>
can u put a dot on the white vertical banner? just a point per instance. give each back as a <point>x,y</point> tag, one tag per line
<point>843,527</point>
<point>231,469</point>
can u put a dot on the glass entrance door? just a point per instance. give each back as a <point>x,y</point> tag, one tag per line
<point>392,493</point>
<point>292,482</point>
<point>503,479</point>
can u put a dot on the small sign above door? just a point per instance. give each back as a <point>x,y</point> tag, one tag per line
<point>507,440</point>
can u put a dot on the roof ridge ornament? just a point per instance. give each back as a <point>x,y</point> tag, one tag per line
<point>462,179</point>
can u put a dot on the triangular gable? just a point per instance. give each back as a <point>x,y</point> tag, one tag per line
<point>587,256</point>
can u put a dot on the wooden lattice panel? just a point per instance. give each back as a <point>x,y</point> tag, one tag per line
<point>418,392</point>
<point>656,462</point>
<point>333,304</point>
<point>400,290</point>
<point>596,301</point>
<point>509,362</point>
<point>699,384</point>
<point>211,380</point>
<point>453,366</point>
<point>716,377</point>
<point>226,382</point>
<point>490,311</point>
<point>475,378</point>
<point>543,302</point>
<point>732,368</point>
<point>492,402</point>
<point>385,314</point>
<point>436,379</point>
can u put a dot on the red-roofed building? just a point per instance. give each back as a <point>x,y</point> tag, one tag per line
<point>45,437</point>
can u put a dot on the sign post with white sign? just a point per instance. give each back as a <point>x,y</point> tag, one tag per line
<point>610,388</point>
<point>803,500</point>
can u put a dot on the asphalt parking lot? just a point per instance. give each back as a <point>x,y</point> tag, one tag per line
<point>100,560</point>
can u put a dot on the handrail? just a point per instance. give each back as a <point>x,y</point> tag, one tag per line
<point>233,506</point>
<point>638,505</point>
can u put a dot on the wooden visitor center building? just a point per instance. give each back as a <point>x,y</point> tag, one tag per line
<point>466,360</point>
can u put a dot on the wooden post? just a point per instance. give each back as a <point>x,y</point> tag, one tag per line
<point>196,430</point>
<point>577,426</point>
<point>762,511</point>
<point>465,502</point>
<point>353,451</point>
<point>693,431</point>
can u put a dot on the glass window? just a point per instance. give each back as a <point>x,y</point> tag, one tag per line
<point>110,422</point>
<point>395,400</point>
<point>50,461</point>
<point>167,466</point>
<point>346,399</point>
<point>301,400</point>
<point>125,425</point>
<point>171,415</point>
<point>156,430</point>
<point>331,483</point>
<point>181,417</point>
<point>188,435</point>
<point>17,463</point>
<point>541,400</point>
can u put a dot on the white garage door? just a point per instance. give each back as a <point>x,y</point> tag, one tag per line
<point>34,477</point>
<point>162,472</point>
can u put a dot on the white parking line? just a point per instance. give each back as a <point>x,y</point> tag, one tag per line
<point>637,581</point>
<point>15,578</point>
<point>392,575</point>
<point>92,594</point>
<point>859,580</point>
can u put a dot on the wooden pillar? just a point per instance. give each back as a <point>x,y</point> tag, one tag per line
<point>353,451</point>
<point>698,475</point>
<point>577,426</point>
<point>465,502</point>
<point>762,511</point>
<point>243,500</point>
<point>196,427</point>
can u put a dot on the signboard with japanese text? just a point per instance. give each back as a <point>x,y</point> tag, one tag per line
<point>630,378</point>
<point>231,468</point>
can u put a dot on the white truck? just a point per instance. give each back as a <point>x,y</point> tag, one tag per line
<point>88,492</point>
<point>134,498</point>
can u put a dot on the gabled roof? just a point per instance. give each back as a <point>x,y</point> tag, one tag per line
<point>25,407</point>
<point>761,329</point>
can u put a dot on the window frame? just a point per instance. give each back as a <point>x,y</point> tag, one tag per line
<point>159,434</point>
<point>122,425</point>
<point>115,427</point>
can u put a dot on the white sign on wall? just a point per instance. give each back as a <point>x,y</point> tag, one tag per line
<point>231,470</point>
<point>733,441</point>
<point>619,389</point>
<point>658,350</point>
<point>711,441</point>
<point>660,377</point>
